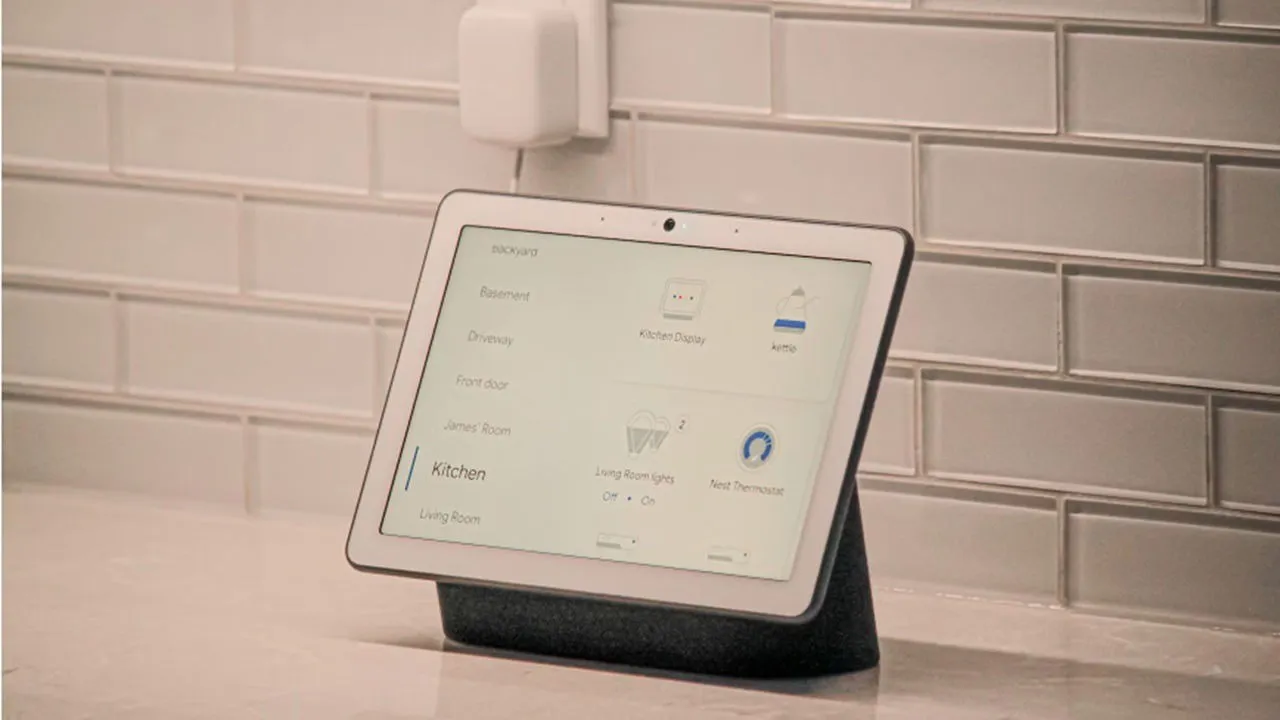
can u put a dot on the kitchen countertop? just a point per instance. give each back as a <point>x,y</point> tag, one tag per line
<point>118,607</point>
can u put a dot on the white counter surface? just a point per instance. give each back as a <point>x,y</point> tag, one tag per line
<point>127,608</point>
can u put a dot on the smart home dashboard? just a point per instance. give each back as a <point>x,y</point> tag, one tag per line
<point>629,401</point>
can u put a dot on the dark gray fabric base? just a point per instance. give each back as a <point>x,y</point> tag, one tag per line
<point>840,638</point>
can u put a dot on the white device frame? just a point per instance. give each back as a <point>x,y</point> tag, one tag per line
<point>886,249</point>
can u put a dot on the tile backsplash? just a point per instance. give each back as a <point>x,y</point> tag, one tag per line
<point>214,211</point>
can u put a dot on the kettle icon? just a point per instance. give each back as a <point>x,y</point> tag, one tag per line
<point>791,312</point>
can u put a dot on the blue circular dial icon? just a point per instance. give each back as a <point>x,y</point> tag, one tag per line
<point>757,447</point>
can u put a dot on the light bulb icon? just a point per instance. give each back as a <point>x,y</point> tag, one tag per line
<point>646,431</point>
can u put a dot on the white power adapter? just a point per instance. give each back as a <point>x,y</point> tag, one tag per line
<point>534,73</point>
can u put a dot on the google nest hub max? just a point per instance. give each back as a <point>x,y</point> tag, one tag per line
<point>616,431</point>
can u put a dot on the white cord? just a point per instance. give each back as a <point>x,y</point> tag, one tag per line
<point>515,173</point>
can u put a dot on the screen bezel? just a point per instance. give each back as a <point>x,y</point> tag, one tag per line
<point>887,250</point>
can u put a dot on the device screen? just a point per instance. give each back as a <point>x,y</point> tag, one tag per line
<point>637,402</point>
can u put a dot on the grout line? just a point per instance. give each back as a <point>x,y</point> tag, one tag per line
<point>1088,385</point>
<point>916,14</point>
<point>1035,139</point>
<point>1064,592</point>
<point>1195,31</point>
<point>239,32</point>
<point>517,166</point>
<point>1210,13</point>
<point>219,187</point>
<point>249,468</point>
<point>1060,74</point>
<point>1048,255</point>
<point>1189,385</point>
<point>917,188</point>
<point>224,74</point>
<point>634,186</point>
<point>1210,212</point>
<point>244,254</point>
<point>212,298</point>
<point>917,393</point>
<point>943,486</point>
<point>1071,498</point>
<point>1055,488</point>
<point>373,145</point>
<point>1148,269</point>
<point>1061,320</point>
<point>379,381</point>
<point>775,60</point>
<point>913,13</point>
<point>1211,454</point>
<point>120,318</point>
<point>112,129</point>
<point>1083,504</point>
<point>205,407</point>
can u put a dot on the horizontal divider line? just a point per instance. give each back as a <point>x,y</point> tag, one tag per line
<point>159,403</point>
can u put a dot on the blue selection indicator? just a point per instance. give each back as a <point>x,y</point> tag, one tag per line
<point>412,463</point>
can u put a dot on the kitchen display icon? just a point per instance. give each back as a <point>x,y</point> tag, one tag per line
<point>682,299</point>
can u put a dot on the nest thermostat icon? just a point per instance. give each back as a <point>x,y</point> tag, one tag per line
<point>757,447</point>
